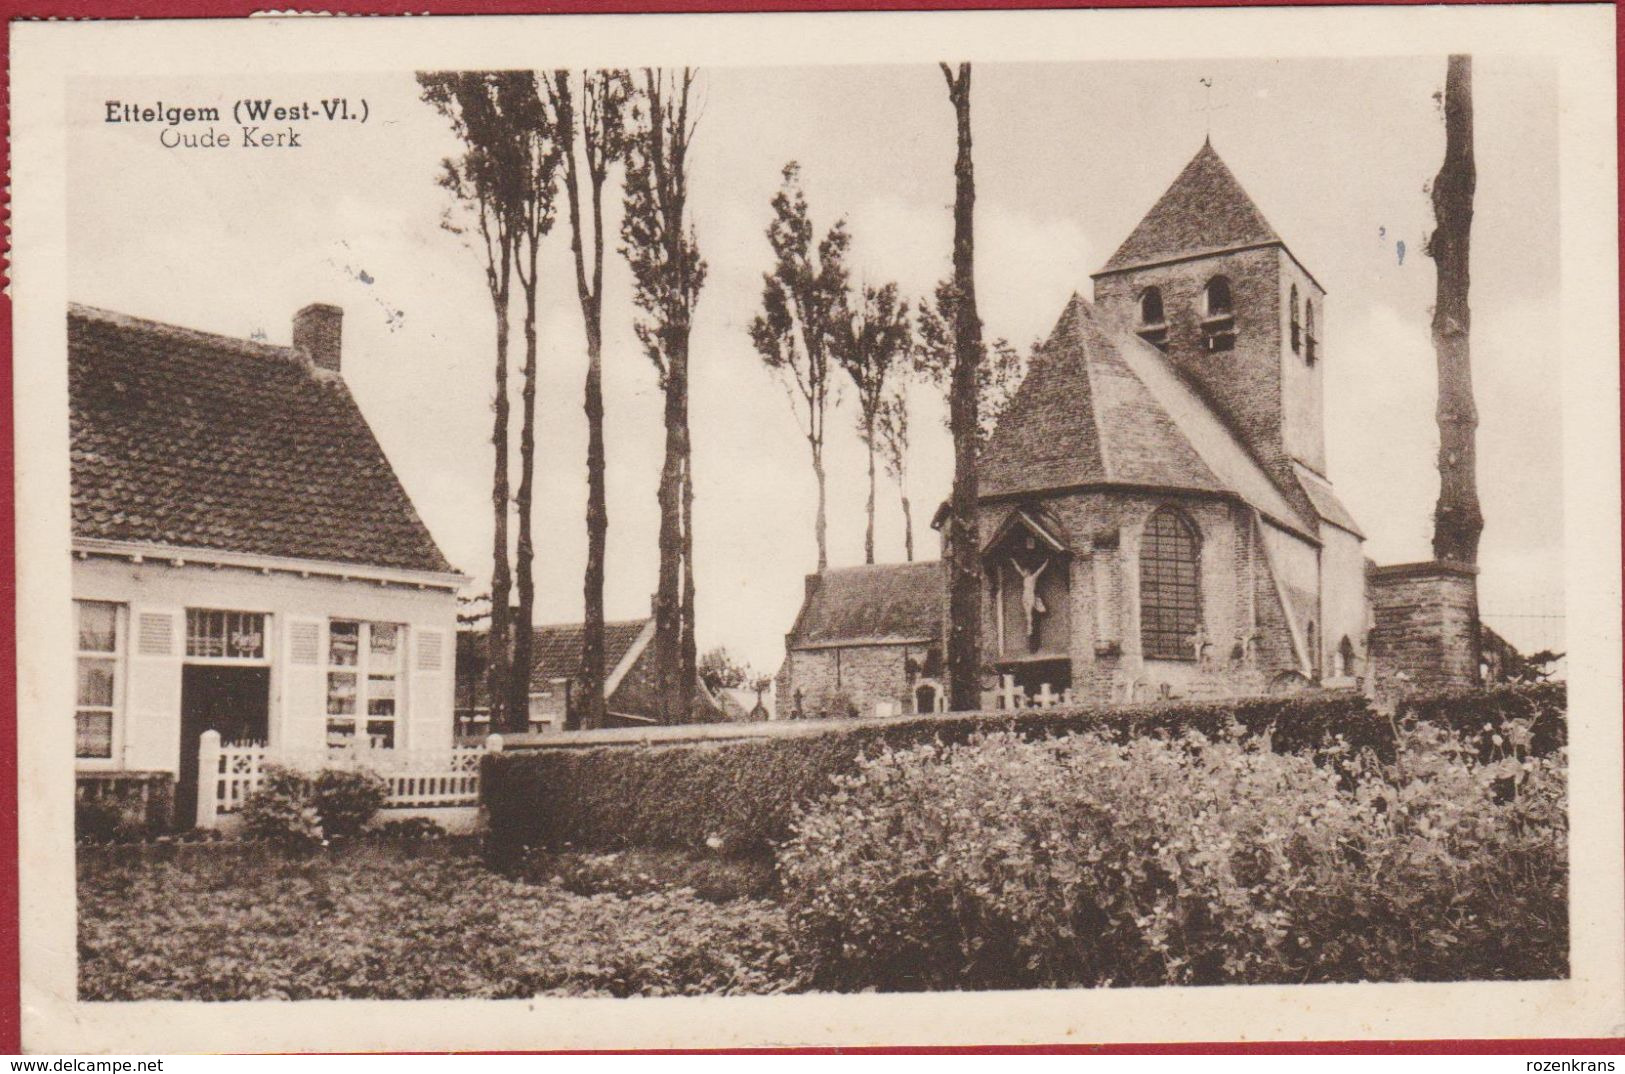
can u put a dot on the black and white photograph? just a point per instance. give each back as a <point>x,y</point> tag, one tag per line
<point>1086,505</point>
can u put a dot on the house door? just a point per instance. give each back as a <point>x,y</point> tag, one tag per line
<point>235,701</point>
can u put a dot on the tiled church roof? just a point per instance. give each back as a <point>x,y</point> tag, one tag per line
<point>194,440</point>
<point>1080,418</point>
<point>1204,209</point>
<point>1096,411</point>
<point>893,603</point>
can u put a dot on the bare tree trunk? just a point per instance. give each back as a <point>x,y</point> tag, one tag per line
<point>869,533</point>
<point>497,671</point>
<point>589,707</point>
<point>519,677</point>
<point>1457,520</point>
<point>818,473</point>
<point>690,653</point>
<point>908,529</point>
<point>669,643</point>
<point>965,569</point>
<point>592,586</point>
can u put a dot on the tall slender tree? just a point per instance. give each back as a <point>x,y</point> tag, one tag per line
<point>599,130</point>
<point>537,154</point>
<point>803,313</point>
<point>667,271</point>
<point>871,345</point>
<point>894,447</point>
<point>487,181</point>
<point>964,551</point>
<point>1457,519</point>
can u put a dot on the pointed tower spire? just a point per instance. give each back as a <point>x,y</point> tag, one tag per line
<point>1204,210</point>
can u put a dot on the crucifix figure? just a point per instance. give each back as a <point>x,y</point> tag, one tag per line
<point>1031,603</point>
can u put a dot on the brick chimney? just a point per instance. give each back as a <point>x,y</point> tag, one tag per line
<point>318,330</point>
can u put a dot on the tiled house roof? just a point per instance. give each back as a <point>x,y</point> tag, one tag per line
<point>1204,209</point>
<point>556,648</point>
<point>895,603</point>
<point>193,440</point>
<point>1096,411</point>
<point>555,655</point>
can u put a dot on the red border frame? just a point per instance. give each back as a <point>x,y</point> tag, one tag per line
<point>20,10</point>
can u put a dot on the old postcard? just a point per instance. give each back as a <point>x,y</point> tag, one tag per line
<point>808,529</point>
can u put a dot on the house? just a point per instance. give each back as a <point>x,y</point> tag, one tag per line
<point>629,682</point>
<point>245,559</point>
<point>867,641</point>
<point>1155,514</point>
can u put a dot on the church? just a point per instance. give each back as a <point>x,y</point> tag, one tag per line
<point>1155,513</point>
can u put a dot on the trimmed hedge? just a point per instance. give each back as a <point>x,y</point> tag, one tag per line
<point>740,796</point>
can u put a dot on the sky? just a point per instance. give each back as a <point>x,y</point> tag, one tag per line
<point>1337,155</point>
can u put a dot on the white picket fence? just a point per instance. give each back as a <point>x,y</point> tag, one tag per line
<point>447,779</point>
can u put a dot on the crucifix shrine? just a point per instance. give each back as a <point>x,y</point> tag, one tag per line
<point>1032,605</point>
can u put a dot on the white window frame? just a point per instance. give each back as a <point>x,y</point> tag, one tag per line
<point>119,655</point>
<point>363,671</point>
<point>263,660</point>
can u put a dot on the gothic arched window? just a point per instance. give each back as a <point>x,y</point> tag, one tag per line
<point>1297,328</point>
<point>1218,315</point>
<point>1309,340</point>
<point>1170,586</point>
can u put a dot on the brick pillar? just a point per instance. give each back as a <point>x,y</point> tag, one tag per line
<point>1426,623</point>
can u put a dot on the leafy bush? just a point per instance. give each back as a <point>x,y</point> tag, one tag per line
<point>743,794</point>
<point>374,920</point>
<point>300,809</point>
<point>106,820</point>
<point>346,798</point>
<point>1480,717</point>
<point>1182,861</point>
<point>282,809</point>
<point>410,829</point>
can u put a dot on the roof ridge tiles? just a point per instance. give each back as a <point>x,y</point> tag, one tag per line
<point>176,331</point>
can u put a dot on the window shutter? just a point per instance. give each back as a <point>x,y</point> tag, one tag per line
<point>429,698</point>
<point>152,715</point>
<point>304,687</point>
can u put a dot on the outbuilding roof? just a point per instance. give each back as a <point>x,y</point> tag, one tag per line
<point>186,439</point>
<point>876,604</point>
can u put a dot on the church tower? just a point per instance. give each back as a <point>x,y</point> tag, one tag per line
<point>1205,278</point>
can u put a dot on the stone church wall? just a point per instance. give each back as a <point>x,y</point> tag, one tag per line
<point>1103,530</point>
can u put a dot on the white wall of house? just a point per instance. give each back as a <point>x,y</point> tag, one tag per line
<point>154,596</point>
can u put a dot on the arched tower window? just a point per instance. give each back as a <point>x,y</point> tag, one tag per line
<point>1218,316</point>
<point>1297,328</point>
<point>1153,322</point>
<point>1151,306</point>
<point>1170,586</point>
<point>1310,343</point>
